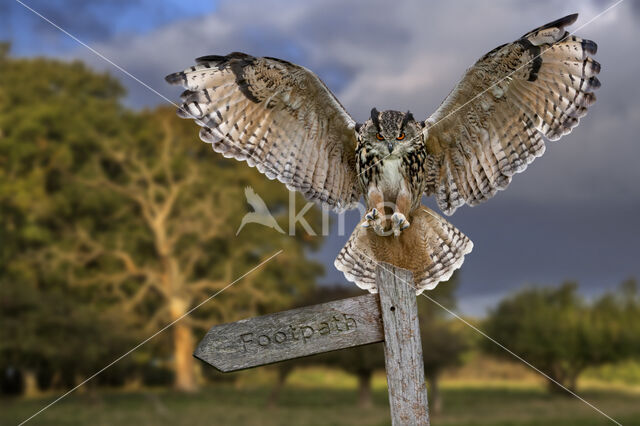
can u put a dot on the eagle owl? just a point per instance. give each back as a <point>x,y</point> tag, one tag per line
<point>281,118</point>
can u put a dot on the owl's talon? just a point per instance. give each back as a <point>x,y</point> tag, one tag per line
<point>374,220</point>
<point>372,215</point>
<point>399,223</point>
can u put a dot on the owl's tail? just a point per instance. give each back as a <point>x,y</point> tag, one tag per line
<point>431,248</point>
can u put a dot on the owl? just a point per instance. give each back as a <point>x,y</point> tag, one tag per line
<point>282,119</point>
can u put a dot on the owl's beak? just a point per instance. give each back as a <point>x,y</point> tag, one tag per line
<point>390,146</point>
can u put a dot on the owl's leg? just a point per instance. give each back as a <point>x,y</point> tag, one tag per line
<point>375,218</point>
<point>399,220</point>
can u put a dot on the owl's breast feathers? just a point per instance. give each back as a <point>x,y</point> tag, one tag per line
<point>368,164</point>
<point>387,172</point>
<point>415,166</point>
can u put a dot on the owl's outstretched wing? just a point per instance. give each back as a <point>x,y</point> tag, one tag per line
<point>489,128</point>
<point>278,117</point>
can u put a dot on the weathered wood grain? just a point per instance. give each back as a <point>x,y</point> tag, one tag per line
<point>292,334</point>
<point>402,347</point>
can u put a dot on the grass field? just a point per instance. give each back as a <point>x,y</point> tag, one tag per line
<point>245,404</point>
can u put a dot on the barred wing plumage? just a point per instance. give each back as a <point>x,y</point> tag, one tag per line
<point>278,117</point>
<point>489,128</point>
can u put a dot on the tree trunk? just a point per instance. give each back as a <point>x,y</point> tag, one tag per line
<point>274,395</point>
<point>183,346</point>
<point>553,387</point>
<point>568,381</point>
<point>30,388</point>
<point>572,382</point>
<point>435,399</point>
<point>364,389</point>
<point>133,382</point>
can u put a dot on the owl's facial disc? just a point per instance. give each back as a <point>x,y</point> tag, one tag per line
<point>390,131</point>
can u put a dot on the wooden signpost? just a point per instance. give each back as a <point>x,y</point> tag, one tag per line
<point>390,317</point>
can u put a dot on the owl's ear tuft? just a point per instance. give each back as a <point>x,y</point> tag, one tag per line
<point>410,116</point>
<point>375,117</point>
<point>407,118</point>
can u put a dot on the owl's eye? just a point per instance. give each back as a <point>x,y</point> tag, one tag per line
<point>400,137</point>
<point>379,137</point>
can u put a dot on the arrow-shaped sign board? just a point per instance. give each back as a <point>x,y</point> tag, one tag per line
<point>292,334</point>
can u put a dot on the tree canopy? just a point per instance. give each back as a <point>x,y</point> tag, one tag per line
<point>127,217</point>
<point>557,331</point>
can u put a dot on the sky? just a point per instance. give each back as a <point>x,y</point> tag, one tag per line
<point>572,215</point>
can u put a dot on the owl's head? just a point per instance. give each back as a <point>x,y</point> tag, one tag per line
<point>392,132</point>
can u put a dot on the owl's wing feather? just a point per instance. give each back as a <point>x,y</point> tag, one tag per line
<point>489,128</point>
<point>278,117</point>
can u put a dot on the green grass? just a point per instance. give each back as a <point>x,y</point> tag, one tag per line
<point>227,405</point>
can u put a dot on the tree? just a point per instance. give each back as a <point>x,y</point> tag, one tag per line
<point>132,211</point>
<point>166,237</point>
<point>55,338</point>
<point>558,332</point>
<point>442,348</point>
<point>50,331</point>
<point>442,343</point>
<point>612,326</point>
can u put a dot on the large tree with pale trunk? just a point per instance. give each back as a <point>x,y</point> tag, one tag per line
<point>130,208</point>
<point>172,234</point>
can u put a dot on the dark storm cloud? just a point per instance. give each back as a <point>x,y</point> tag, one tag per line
<point>377,29</point>
<point>571,215</point>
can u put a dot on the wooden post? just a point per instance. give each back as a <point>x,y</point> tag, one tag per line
<point>402,346</point>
